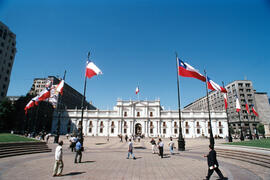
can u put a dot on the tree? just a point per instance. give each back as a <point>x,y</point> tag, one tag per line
<point>7,111</point>
<point>260,128</point>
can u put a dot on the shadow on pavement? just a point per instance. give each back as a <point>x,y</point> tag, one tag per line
<point>88,161</point>
<point>73,173</point>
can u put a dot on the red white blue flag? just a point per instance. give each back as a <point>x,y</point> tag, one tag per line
<point>137,90</point>
<point>186,70</point>
<point>237,104</point>
<point>214,86</point>
<point>247,107</point>
<point>91,69</point>
<point>254,111</point>
<point>60,87</point>
<point>225,100</point>
<point>45,94</point>
<point>31,103</point>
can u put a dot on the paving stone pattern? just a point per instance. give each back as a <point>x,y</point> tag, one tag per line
<point>107,160</point>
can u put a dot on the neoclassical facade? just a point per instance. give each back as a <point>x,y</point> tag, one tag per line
<point>142,118</point>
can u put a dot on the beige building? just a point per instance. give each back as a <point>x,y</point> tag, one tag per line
<point>7,55</point>
<point>245,92</point>
<point>71,98</point>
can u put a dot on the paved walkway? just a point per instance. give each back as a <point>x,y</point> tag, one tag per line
<point>107,160</point>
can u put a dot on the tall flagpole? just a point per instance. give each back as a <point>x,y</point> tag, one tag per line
<point>59,103</point>
<point>250,135</point>
<point>83,102</point>
<point>229,126</point>
<point>181,140</point>
<point>212,141</point>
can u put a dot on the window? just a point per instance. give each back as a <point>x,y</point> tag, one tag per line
<point>198,124</point>
<point>90,130</point>
<point>175,124</point>
<point>186,124</point>
<point>112,130</point>
<point>175,131</point>
<point>247,85</point>
<point>112,123</point>
<point>187,131</point>
<point>198,131</point>
<point>219,123</point>
<point>164,131</point>
<point>125,130</point>
<point>101,123</point>
<point>220,131</point>
<point>248,90</point>
<point>138,114</point>
<point>151,131</point>
<point>164,124</point>
<point>151,123</point>
<point>101,130</point>
<point>125,114</point>
<point>240,84</point>
<point>90,123</point>
<point>151,114</point>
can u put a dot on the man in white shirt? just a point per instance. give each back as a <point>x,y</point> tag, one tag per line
<point>171,145</point>
<point>58,165</point>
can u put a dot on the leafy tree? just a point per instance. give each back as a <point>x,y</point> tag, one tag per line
<point>260,128</point>
<point>7,111</point>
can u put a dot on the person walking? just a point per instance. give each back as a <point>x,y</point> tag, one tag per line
<point>213,163</point>
<point>160,147</point>
<point>171,145</point>
<point>58,164</point>
<point>78,149</point>
<point>130,150</point>
<point>154,145</point>
<point>126,137</point>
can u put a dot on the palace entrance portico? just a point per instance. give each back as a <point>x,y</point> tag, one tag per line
<point>138,129</point>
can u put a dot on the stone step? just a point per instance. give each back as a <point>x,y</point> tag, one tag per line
<point>23,153</point>
<point>22,148</point>
<point>252,158</point>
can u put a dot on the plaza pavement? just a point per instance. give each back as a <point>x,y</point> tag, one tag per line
<point>107,160</point>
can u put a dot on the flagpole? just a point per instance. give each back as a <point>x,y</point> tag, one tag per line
<point>250,136</point>
<point>181,140</point>
<point>241,135</point>
<point>229,126</point>
<point>59,102</point>
<point>83,102</point>
<point>212,141</point>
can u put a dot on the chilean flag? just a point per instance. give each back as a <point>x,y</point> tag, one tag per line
<point>91,69</point>
<point>254,111</point>
<point>186,70</point>
<point>45,94</point>
<point>237,104</point>
<point>247,107</point>
<point>60,87</point>
<point>214,86</point>
<point>225,100</point>
<point>137,90</point>
<point>31,103</point>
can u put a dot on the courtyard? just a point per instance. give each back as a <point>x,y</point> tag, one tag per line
<point>107,160</point>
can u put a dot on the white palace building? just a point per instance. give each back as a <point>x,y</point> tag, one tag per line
<point>146,118</point>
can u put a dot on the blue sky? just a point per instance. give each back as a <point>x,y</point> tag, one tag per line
<point>134,42</point>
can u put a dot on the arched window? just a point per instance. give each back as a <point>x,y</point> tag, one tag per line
<point>138,114</point>
<point>151,114</point>
<point>112,123</point>
<point>125,114</point>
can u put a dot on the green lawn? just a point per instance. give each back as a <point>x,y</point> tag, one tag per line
<point>262,143</point>
<point>14,138</point>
